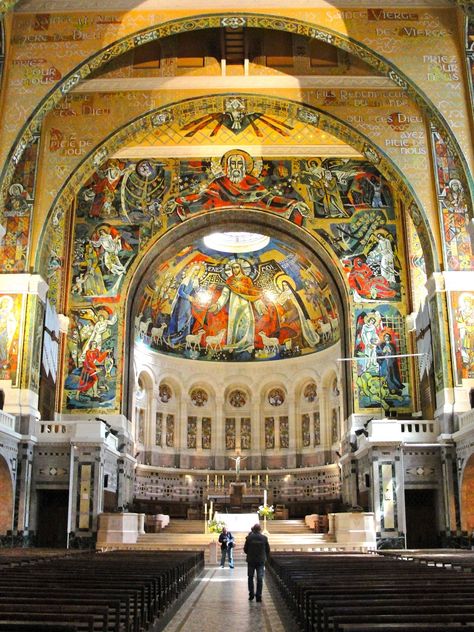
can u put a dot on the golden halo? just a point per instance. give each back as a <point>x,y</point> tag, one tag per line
<point>244,265</point>
<point>249,162</point>
<point>373,315</point>
<point>280,278</point>
<point>6,302</point>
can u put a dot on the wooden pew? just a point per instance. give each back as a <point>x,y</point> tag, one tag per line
<point>119,591</point>
<point>16,626</point>
<point>329,591</point>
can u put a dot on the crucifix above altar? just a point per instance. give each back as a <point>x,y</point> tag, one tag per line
<point>238,459</point>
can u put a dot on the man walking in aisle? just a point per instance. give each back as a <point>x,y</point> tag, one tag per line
<point>226,540</point>
<point>257,550</point>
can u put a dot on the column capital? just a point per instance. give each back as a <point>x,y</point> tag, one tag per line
<point>24,283</point>
<point>435,283</point>
<point>63,323</point>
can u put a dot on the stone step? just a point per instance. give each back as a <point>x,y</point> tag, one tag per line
<point>273,526</point>
<point>185,526</point>
<point>182,541</point>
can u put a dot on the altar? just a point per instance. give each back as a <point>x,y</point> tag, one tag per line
<point>238,522</point>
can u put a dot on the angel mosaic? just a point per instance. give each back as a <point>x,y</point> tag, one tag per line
<point>8,331</point>
<point>101,259</point>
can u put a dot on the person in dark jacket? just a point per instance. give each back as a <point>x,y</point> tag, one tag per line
<point>226,540</point>
<point>258,551</point>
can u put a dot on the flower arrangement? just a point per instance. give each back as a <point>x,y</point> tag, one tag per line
<point>215,526</point>
<point>266,511</point>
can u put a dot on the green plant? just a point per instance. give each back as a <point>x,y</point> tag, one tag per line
<point>266,511</point>
<point>215,526</point>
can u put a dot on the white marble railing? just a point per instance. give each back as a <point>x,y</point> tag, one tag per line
<point>66,431</point>
<point>419,431</point>
<point>111,441</point>
<point>403,431</point>
<point>53,432</point>
<point>466,419</point>
<point>7,420</point>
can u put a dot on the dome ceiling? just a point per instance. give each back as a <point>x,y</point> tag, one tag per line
<point>267,304</point>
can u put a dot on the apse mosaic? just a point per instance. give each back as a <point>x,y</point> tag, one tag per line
<point>382,375</point>
<point>265,305</point>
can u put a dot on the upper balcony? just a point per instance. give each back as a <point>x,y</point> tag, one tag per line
<point>7,421</point>
<point>390,431</point>
<point>86,431</point>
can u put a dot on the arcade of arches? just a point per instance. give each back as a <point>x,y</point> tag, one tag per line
<point>236,237</point>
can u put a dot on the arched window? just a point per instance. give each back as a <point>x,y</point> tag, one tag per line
<point>199,420</point>
<point>276,423</point>
<point>165,417</point>
<point>310,416</point>
<point>237,422</point>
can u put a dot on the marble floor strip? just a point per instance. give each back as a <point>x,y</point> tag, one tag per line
<point>219,603</point>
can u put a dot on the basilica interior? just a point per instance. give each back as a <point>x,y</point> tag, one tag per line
<point>236,265</point>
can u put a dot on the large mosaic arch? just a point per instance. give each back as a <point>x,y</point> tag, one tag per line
<point>354,226</point>
<point>97,298</point>
<point>30,131</point>
<point>155,124</point>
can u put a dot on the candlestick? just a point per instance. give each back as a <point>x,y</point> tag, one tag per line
<point>210,510</point>
<point>250,480</point>
<point>266,480</point>
<point>264,497</point>
<point>207,480</point>
<point>258,480</point>
<point>222,480</point>
<point>215,480</point>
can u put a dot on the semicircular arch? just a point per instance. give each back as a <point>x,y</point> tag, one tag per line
<point>63,201</point>
<point>30,130</point>
<point>6,497</point>
<point>189,232</point>
<point>467,496</point>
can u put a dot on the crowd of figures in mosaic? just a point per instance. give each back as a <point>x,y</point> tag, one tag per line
<point>264,305</point>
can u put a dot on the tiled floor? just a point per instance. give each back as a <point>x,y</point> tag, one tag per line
<point>219,603</point>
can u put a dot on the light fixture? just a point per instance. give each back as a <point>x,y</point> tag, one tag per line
<point>238,241</point>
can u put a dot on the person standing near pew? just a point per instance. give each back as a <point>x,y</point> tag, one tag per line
<point>226,540</point>
<point>257,549</point>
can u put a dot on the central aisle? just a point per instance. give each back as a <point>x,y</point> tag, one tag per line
<point>219,603</point>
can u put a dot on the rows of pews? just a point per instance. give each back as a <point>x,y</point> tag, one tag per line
<point>116,591</point>
<point>353,592</point>
<point>461,560</point>
<point>24,557</point>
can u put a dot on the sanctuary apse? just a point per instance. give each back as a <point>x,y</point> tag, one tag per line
<point>236,232</point>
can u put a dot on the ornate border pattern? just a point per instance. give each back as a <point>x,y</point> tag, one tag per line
<point>182,25</point>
